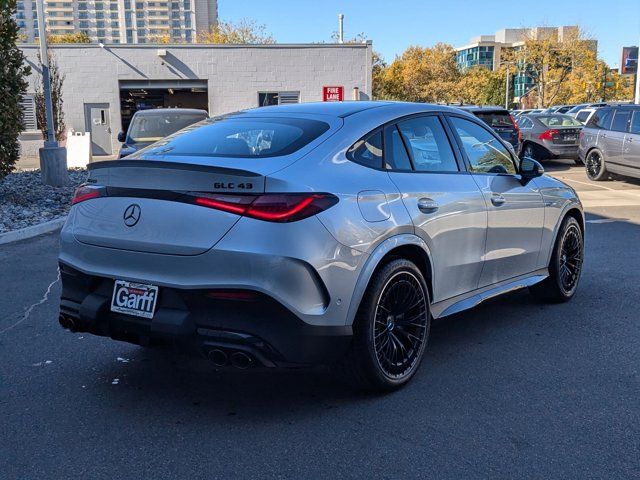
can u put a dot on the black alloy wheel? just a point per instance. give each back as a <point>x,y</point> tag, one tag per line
<point>400,324</point>
<point>594,166</point>
<point>570,259</point>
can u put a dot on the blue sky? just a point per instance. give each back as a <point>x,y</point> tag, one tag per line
<point>393,25</point>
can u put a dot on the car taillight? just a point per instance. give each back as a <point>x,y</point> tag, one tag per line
<point>515,125</point>
<point>548,134</point>
<point>270,207</point>
<point>86,192</point>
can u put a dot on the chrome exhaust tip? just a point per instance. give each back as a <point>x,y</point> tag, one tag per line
<point>241,360</point>
<point>218,357</point>
<point>67,323</point>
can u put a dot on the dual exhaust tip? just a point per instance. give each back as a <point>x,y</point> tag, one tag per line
<point>238,359</point>
<point>68,323</point>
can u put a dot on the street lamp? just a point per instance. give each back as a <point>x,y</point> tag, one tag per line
<point>53,158</point>
<point>506,87</point>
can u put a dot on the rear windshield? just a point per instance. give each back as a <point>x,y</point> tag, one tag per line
<point>495,119</point>
<point>154,127</point>
<point>242,137</point>
<point>560,121</point>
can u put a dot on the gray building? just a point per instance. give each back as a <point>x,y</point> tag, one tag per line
<point>103,87</point>
<point>120,21</point>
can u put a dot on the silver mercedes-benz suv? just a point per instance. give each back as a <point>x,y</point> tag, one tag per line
<point>328,233</point>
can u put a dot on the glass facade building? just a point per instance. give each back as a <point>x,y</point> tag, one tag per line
<point>120,21</point>
<point>479,55</point>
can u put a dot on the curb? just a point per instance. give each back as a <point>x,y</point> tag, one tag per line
<point>34,231</point>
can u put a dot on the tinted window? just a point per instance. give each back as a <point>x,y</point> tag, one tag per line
<point>495,119</point>
<point>428,143</point>
<point>620,120</point>
<point>396,155</point>
<point>485,152</point>
<point>153,127</point>
<point>582,116</point>
<point>524,122</point>
<point>242,137</point>
<point>635,122</point>
<point>368,151</point>
<point>601,118</point>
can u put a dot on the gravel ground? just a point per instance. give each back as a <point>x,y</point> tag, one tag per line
<point>25,201</point>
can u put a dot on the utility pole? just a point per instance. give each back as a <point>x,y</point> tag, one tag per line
<point>53,158</point>
<point>506,96</point>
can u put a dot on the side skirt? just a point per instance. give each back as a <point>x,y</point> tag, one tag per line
<point>476,297</point>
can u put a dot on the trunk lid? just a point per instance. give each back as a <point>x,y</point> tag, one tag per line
<point>142,210</point>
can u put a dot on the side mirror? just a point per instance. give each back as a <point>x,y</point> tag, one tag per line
<point>122,137</point>
<point>530,168</point>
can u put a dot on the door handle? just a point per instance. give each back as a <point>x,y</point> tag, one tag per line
<point>497,199</point>
<point>427,205</point>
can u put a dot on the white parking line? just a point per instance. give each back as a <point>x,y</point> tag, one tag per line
<point>589,184</point>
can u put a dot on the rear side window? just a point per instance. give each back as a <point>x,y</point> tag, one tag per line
<point>601,118</point>
<point>428,144</point>
<point>368,151</point>
<point>621,120</point>
<point>242,137</point>
<point>583,115</point>
<point>635,123</point>
<point>495,119</point>
<point>525,123</point>
<point>396,156</point>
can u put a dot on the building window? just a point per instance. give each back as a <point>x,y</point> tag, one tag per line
<point>28,105</point>
<point>277,98</point>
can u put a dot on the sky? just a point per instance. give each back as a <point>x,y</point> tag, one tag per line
<point>393,25</point>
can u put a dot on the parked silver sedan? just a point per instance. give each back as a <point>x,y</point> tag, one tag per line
<point>325,233</point>
<point>549,136</point>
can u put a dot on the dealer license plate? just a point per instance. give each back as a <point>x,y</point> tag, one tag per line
<point>137,299</point>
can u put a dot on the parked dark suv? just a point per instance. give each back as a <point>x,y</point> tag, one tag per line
<point>500,120</point>
<point>610,142</point>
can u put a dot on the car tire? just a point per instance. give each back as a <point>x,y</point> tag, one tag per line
<point>531,150</point>
<point>565,266</point>
<point>391,329</point>
<point>595,166</point>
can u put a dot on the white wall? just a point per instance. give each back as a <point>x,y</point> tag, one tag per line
<point>234,73</point>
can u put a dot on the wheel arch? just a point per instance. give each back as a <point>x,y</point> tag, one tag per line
<point>571,210</point>
<point>408,246</point>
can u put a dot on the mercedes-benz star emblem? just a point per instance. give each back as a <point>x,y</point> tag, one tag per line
<point>132,215</point>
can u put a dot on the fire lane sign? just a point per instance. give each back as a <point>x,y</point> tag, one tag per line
<point>332,94</point>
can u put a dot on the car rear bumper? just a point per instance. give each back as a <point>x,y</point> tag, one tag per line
<point>569,151</point>
<point>254,323</point>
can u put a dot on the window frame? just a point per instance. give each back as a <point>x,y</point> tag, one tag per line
<point>460,145</point>
<point>459,158</point>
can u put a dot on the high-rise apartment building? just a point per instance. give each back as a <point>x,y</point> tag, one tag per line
<point>121,21</point>
<point>485,51</point>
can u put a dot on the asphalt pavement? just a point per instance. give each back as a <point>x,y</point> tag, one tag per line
<point>511,389</point>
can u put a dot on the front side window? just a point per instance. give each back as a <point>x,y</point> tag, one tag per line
<point>428,145</point>
<point>620,120</point>
<point>368,151</point>
<point>485,152</point>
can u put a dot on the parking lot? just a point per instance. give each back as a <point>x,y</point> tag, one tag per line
<point>511,389</point>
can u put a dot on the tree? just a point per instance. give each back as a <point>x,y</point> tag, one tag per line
<point>554,63</point>
<point>420,74</point>
<point>13,85</point>
<point>378,67</point>
<point>57,80</point>
<point>76,37</point>
<point>243,32</point>
<point>482,86</point>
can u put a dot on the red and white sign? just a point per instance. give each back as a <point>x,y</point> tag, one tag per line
<point>332,94</point>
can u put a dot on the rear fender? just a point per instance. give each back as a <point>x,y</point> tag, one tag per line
<point>377,255</point>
